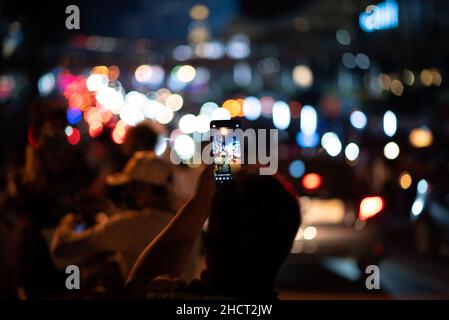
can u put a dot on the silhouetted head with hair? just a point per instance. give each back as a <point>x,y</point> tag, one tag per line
<point>252,225</point>
<point>140,138</point>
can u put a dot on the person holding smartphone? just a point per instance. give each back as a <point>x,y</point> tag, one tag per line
<point>252,222</point>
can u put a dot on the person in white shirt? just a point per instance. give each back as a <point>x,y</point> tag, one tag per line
<point>148,189</point>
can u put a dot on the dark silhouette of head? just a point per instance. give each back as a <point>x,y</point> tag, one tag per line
<point>252,225</point>
<point>139,138</point>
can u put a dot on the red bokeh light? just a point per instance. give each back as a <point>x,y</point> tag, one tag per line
<point>311,181</point>
<point>75,137</point>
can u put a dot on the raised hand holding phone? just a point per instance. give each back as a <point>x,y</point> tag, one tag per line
<point>226,149</point>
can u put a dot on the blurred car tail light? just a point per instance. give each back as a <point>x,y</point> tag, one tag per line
<point>369,207</point>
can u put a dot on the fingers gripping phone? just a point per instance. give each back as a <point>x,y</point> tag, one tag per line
<point>226,149</point>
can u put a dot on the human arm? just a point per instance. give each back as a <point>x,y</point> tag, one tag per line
<point>168,252</point>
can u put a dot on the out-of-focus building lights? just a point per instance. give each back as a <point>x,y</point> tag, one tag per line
<point>75,137</point>
<point>135,99</point>
<point>296,168</point>
<point>238,47</point>
<point>113,73</point>
<point>220,114</point>
<point>182,53</point>
<point>358,119</point>
<point>152,108</point>
<point>184,146</point>
<point>187,123</point>
<point>157,76</point>
<point>100,70</point>
<point>92,115</point>
<point>175,85</point>
<point>331,143</point>
<point>96,81</point>
<point>143,73</point>
<point>242,74</point>
<point>46,84</point>
<point>110,99</point>
<point>348,60</point>
<point>408,77</point>
<point>311,181</point>
<point>252,108</point>
<point>302,75</point>
<point>384,81</point>
<point>131,114</point>
<point>281,115</point>
<point>208,107</point>
<point>198,32</point>
<point>185,73</point>
<point>396,87</point>
<point>390,123</point>
<point>421,137</point>
<point>162,94</point>
<point>202,76</point>
<point>391,150</point>
<point>426,77</point>
<point>80,101</point>
<point>202,123</point>
<point>68,130</point>
<point>267,106</point>
<point>233,107</point>
<point>210,50</point>
<point>418,206</point>
<point>74,115</point>
<point>307,140</point>
<point>199,12</point>
<point>343,37</point>
<point>119,132</point>
<point>436,77</point>
<point>95,129</point>
<point>405,180</point>
<point>165,115</point>
<point>352,151</point>
<point>310,233</point>
<point>174,101</point>
<point>422,186</point>
<point>362,61</point>
<point>308,120</point>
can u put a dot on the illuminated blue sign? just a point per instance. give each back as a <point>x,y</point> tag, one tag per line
<point>382,16</point>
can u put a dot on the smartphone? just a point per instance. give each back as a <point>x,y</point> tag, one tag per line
<point>225,149</point>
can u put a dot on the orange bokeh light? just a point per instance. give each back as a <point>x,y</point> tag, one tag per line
<point>369,207</point>
<point>100,70</point>
<point>119,132</point>
<point>233,106</point>
<point>311,181</point>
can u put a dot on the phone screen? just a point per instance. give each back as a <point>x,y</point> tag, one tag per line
<point>225,149</point>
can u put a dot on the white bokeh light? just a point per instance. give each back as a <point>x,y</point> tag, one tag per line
<point>252,108</point>
<point>391,150</point>
<point>390,123</point>
<point>352,151</point>
<point>187,123</point>
<point>184,146</point>
<point>202,123</point>
<point>358,119</point>
<point>281,115</point>
<point>96,81</point>
<point>220,114</point>
<point>331,143</point>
